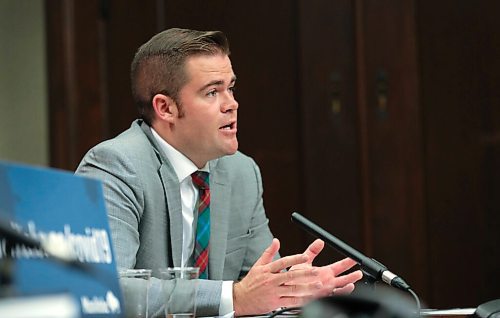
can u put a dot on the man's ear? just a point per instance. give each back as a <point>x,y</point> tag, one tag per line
<point>165,108</point>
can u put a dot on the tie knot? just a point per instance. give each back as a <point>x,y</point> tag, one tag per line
<point>201,179</point>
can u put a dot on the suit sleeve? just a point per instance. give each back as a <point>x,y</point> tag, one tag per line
<point>260,234</point>
<point>124,200</point>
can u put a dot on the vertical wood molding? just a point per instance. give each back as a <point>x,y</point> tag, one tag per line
<point>390,127</point>
<point>77,100</point>
<point>364,161</point>
<point>103,60</point>
<point>69,77</point>
<point>459,69</point>
<point>61,92</point>
<point>416,172</point>
<point>328,104</point>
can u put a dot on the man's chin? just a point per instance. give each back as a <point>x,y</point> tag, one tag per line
<point>232,150</point>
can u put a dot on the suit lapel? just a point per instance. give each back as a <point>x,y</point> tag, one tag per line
<point>172,190</point>
<point>174,208</point>
<point>220,193</point>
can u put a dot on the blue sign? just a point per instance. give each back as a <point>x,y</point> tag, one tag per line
<point>67,211</point>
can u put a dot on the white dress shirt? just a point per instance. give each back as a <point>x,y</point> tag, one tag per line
<point>184,167</point>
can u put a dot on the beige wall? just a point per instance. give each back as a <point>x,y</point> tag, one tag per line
<point>23,85</point>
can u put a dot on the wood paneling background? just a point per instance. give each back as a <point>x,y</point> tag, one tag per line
<point>460,104</point>
<point>378,119</point>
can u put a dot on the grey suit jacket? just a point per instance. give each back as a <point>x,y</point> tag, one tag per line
<point>142,195</point>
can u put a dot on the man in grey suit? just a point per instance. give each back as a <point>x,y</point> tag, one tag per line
<point>183,83</point>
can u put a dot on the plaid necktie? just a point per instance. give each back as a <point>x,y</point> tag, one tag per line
<point>201,181</point>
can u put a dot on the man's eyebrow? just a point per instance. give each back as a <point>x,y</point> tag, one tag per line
<point>217,83</point>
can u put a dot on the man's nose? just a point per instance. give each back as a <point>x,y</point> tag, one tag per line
<point>229,103</point>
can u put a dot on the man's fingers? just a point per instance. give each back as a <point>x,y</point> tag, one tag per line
<point>285,262</point>
<point>347,289</point>
<point>300,290</point>
<point>269,253</point>
<point>294,277</point>
<point>314,249</point>
<point>341,266</point>
<point>350,278</point>
<point>293,301</point>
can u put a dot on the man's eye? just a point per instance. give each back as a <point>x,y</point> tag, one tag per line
<point>232,89</point>
<point>212,93</point>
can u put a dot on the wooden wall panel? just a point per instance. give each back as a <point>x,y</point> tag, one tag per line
<point>128,24</point>
<point>330,148</point>
<point>459,67</point>
<point>75,83</point>
<point>58,93</point>
<point>489,101</point>
<point>393,134</point>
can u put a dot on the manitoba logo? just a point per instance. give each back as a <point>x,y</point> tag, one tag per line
<point>100,305</point>
<point>113,302</point>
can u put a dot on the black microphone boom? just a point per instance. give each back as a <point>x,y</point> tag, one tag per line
<point>370,266</point>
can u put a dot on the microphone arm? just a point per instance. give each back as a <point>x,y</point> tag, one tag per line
<point>370,266</point>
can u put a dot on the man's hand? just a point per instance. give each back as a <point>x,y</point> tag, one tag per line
<point>330,275</point>
<point>267,286</point>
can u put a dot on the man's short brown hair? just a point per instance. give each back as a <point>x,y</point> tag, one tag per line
<point>158,65</point>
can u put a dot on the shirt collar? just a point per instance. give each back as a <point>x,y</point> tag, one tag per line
<point>183,167</point>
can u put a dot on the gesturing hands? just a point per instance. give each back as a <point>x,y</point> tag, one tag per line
<point>330,275</point>
<point>267,286</point>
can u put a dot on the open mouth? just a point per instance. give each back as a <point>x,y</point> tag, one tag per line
<point>229,126</point>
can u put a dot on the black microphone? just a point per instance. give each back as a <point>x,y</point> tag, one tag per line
<point>368,265</point>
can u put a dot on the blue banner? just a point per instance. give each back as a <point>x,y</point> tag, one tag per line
<point>68,212</point>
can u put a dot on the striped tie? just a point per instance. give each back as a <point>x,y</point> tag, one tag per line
<point>201,180</point>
